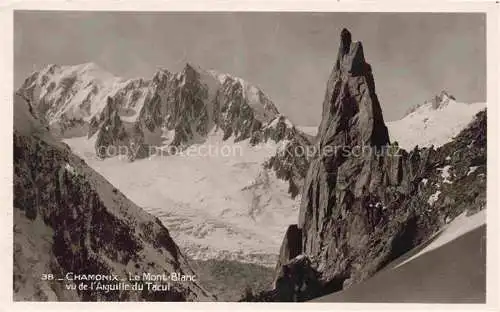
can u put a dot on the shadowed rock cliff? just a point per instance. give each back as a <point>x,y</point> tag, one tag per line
<point>69,219</point>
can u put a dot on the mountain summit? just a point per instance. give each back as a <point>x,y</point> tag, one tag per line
<point>434,122</point>
<point>351,110</point>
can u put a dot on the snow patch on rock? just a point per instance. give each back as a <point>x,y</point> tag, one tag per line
<point>434,197</point>
<point>472,170</point>
<point>456,228</point>
<point>445,174</point>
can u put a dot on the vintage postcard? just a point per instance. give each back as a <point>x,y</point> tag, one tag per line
<point>235,155</point>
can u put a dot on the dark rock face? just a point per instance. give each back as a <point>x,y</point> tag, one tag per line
<point>112,131</point>
<point>364,202</point>
<point>291,246</point>
<point>290,163</point>
<point>352,119</point>
<point>236,116</point>
<point>116,137</point>
<point>184,104</point>
<point>92,227</point>
<point>297,280</point>
<point>351,111</point>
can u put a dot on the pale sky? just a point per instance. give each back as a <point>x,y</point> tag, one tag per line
<point>288,55</point>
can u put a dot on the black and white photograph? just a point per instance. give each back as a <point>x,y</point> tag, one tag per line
<point>250,156</point>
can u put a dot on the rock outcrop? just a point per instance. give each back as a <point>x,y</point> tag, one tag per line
<point>291,246</point>
<point>438,101</point>
<point>69,219</point>
<point>291,160</point>
<point>365,202</point>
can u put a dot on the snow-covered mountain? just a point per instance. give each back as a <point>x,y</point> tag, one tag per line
<point>86,100</point>
<point>225,191</point>
<point>434,122</point>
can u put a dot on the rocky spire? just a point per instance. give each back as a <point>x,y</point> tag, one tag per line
<point>351,110</point>
<point>362,205</point>
<point>352,120</point>
<point>344,192</point>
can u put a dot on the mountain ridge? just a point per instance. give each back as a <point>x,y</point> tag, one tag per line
<point>167,113</point>
<point>434,122</point>
<point>83,99</point>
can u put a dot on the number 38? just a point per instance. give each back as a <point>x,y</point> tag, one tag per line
<point>47,277</point>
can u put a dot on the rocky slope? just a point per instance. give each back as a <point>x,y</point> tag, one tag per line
<point>68,218</point>
<point>452,273</point>
<point>365,202</point>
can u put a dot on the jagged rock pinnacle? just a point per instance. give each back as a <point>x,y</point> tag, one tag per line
<point>359,211</point>
<point>351,110</point>
<point>350,57</point>
<point>338,184</point>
